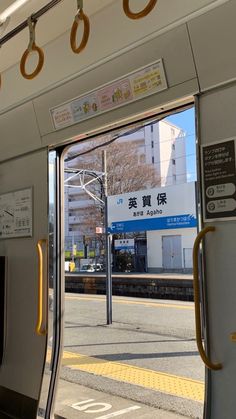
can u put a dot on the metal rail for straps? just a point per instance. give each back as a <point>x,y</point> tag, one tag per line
<point>34,17</point>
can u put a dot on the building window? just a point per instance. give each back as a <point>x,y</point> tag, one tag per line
<point>70,229</point>
<point>153,160</point>
<point>173,161</point>
<point>151,128</point>
<point>173,146</point>
<point>152,143</point>
<point>174,178</point>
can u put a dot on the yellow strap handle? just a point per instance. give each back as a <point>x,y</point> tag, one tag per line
<point>80,16</point>
<point>30,76</point>
<point>202,352</point>
<point>31,48</point>
<point>39,330</point>
<point>151,4</point>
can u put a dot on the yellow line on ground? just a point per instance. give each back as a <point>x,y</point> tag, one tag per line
<point>149,379</point>
<point>147,304</point>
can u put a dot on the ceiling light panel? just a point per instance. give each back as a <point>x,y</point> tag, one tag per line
<point>12,8</point>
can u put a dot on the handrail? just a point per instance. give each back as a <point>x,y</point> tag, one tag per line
<point>79,16</point>
<point>201,350</point>
<point>138,15</point>
<point>39,330</point>
<point>31,47</point>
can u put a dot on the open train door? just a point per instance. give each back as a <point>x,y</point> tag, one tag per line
<point>218,175</point>
<point>23,241</point>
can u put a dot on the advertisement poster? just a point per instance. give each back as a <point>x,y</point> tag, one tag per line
<point>134,86</point>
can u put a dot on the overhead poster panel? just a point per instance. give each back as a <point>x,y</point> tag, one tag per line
<point>134,86</point>
<point>163,208</point>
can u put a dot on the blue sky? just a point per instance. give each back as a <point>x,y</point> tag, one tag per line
<point>186,121</point>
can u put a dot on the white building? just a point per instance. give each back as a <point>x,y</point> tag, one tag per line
<point>163,146</point>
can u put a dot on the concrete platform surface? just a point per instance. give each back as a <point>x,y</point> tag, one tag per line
<point>78,402</point>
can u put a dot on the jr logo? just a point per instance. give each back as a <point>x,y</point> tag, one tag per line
<point>120,201</point>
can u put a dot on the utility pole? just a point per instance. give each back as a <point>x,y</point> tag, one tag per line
<point>108,246</point>
<point>101,177</point>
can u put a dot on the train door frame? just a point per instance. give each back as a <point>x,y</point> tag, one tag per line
<point>117,126</point>
<point>218,352</point>
<point>25,192</point>
<point>58,289</point>
<point>203,300</point>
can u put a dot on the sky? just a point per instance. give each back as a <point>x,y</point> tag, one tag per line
<point>186,121</point>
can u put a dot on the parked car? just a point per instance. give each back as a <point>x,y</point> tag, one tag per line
<point>92,267</point>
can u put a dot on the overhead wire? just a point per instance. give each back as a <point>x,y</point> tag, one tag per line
<point>104,144</point>
<point>68,159</point>
<point>171,158</point>
<point>117,136</point>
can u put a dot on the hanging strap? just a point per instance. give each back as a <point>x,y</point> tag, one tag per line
<point>151,4</point>
<point>32,47</point>
<point>80,16</point>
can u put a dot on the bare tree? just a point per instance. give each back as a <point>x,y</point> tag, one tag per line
<point>127,171</point>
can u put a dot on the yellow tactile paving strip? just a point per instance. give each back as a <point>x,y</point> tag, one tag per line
<point>153,380</point>
<point>129,302</point>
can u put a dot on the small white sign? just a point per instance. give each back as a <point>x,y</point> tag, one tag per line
<point>99,230</point>
<point>16,214</point>
<point>134,86</point>
<point>124,244</point>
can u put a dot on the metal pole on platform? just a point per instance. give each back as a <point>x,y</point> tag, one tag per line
<point>108,246</point>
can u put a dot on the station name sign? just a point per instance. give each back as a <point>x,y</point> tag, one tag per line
<point>132,87</point>
<point>163,208</point>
